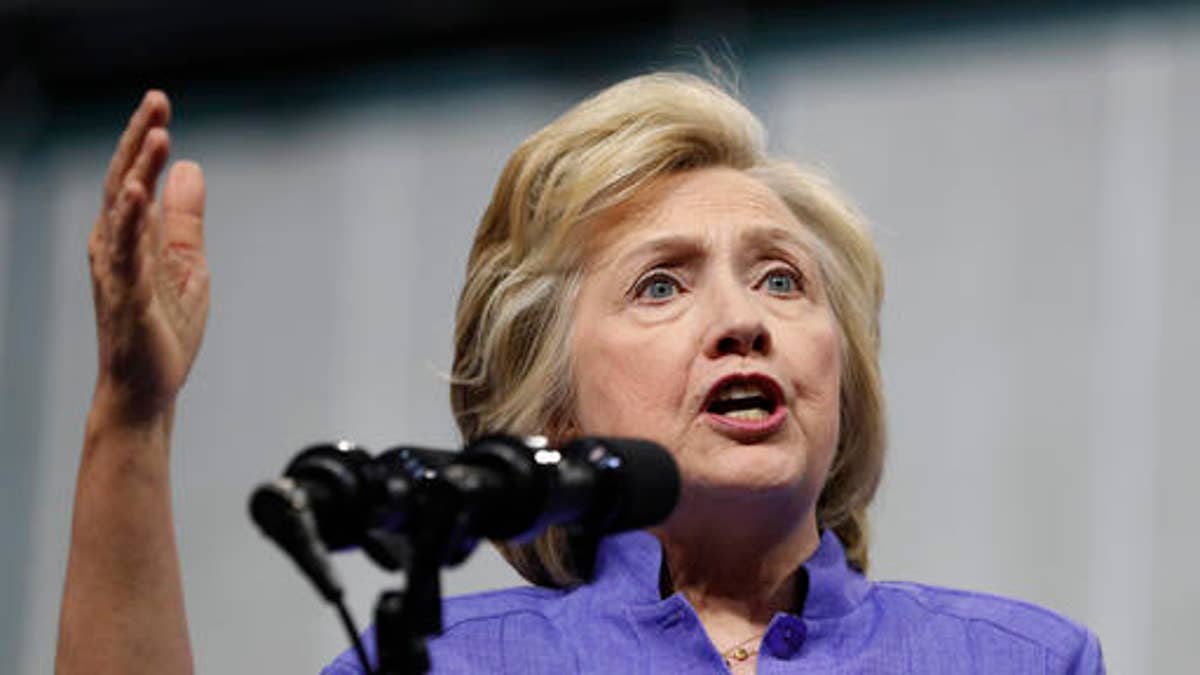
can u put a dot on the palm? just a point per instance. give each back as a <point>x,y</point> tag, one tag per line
<point>178,299</point>
<point>149,273</point>
<point>177,311</point>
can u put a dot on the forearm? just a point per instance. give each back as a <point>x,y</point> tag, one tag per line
<point>123,609</point>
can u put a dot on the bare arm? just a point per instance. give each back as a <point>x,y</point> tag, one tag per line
<point>123,608</point>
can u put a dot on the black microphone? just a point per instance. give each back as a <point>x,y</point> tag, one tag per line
<point>419,509</point>
<point>282,511</point>
<point>346,492</point>
<point>514,489</point>
<point>499,487</point>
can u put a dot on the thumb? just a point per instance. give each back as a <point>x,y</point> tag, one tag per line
<point>183,205</point>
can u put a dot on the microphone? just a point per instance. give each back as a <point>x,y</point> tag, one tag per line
<point>609,485</point>
<point>418,509</point>
<point>514,489</point>
<point>282,512</point>
<point>498,487</point>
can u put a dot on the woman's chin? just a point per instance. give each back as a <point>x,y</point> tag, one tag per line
<point>756,473</point>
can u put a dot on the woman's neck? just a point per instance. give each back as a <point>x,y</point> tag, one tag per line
<point>737,576</point>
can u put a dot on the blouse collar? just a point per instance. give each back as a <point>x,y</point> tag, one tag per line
<point>628,566</point>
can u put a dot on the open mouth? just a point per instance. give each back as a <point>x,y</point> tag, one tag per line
<point>749,398</point>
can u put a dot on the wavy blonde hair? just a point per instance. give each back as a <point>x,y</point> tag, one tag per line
<point>512,369</point>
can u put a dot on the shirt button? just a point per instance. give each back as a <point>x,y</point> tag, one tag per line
<point>787,637</point>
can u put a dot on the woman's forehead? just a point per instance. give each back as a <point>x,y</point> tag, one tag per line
<point>693,207</point>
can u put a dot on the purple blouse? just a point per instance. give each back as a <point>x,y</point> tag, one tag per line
<point>619,623</point>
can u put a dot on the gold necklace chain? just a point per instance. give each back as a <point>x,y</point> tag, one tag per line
<point>739,653</point>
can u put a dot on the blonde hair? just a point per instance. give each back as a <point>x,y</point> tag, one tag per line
<point>511,363</point>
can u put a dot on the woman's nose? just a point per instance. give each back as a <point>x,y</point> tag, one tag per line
<point>737,328</point>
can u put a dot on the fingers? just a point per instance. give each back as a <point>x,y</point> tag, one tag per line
<point>128,222</point>
<point>183,206</point>
<point>153,112</point>
<point>130,216</point>
<point>129,186</point>
<point>150,160</point>
<point>117,247</point>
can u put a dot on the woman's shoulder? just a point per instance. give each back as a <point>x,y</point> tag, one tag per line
<point>477,627</point>
<point>498,604</point>
<point>988,618</point>
<point>509,630</point>
<point>1022,618</point>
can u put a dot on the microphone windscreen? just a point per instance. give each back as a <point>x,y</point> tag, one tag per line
<point>281,511</point>
<point>641,477</point>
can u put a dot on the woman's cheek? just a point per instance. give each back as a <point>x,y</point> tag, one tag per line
<point>628,397</point>
<point>631,383</point>
<point>830,367</point>
<point>823,360</point>
<point>814,363</point>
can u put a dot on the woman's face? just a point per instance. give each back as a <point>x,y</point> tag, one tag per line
<point>702,324</point>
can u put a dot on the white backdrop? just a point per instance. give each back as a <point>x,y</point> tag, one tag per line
<point>1033,193</point>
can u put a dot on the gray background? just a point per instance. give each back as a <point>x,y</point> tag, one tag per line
<point>1033,189</point>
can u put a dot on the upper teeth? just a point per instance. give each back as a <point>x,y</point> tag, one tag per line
<point>738,391</point>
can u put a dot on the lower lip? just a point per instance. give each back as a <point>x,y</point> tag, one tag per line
<point>749,430</point>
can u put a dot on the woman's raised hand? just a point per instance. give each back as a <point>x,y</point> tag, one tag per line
<point>149,273</point>
<point>123,609</point>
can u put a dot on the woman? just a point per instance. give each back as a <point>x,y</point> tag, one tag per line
<point>644,269</point>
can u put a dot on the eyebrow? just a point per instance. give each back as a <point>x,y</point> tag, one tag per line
<point>689,246</point>
<point>774,235</point>
<point>673,245</point>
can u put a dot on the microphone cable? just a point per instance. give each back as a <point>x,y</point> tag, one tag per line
<point>352,629</point>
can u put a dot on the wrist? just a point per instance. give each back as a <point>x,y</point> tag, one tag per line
<point>115,412</point>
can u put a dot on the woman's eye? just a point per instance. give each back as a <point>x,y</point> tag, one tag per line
<point>782,282</point>
<point>658,287</point>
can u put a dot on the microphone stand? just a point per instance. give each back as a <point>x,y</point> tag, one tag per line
<point>405,617</point>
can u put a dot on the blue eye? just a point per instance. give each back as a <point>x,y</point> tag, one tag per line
<point>658,287</point>
<point>782,282</point>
